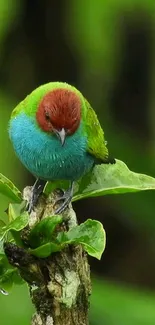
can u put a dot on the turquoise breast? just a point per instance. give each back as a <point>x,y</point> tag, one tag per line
<point>43,155</point>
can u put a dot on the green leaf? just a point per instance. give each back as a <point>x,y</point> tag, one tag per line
<point>2,227</point>
<point>9,275</point>
<point>18,224</point>
<point>15,210</point>
<point>107,179</point>
<point>112,179</point>
<point>90,234</point>
<point>17,279</point>
<point>2,254</point>
<point>46,250</point>
<point>5,273</point>
<point>42,232</point>
<point>8,189</point>
<point>2,224</point>
<point>6,281</point>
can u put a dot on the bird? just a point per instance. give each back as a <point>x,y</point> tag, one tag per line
<point>57,136</point>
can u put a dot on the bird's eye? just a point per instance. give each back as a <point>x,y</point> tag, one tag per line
<point>47,116</point>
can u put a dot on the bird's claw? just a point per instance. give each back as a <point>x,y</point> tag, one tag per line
<point>64,205</point>
<point>36,191</point>
<point>30,206</point>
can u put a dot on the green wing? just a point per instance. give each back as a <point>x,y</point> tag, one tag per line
<point>96,142</point>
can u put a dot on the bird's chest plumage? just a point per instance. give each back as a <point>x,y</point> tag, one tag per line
<point>43,154</point>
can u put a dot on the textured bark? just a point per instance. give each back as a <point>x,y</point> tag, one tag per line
<point>60,284</point>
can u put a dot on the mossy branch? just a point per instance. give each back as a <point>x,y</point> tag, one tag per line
<point>59,284</point>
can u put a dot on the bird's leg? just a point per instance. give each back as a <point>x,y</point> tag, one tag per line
<point>37,190</point>
<point>66,198</point>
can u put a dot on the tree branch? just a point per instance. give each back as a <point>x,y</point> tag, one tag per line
<point>60,284</point>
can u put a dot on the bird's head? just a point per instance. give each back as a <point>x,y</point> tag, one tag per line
<point>59,113</point>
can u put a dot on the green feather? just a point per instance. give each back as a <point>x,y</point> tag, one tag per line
<point>30,103</point>
<point>96,142</point>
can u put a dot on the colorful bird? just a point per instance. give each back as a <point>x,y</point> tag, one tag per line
<point>57,136</point>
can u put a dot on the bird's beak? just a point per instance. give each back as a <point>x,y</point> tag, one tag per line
<point>61,135</point>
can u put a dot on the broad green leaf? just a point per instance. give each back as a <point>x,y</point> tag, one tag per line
<point>18,224</point>
<point>90,234</point>
<point>42,232</point>
<point>46,250</point>
<point>112,179</point>
<point>8,189</point>
<point>107,179</point>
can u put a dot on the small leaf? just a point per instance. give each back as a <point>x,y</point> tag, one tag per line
<point>17,279</point>
<point>2,233</point>
<point>10,277</point>
<point>112,179</point>
<point>90,234</point>
<point>18,224</point>
<point>1,247</point>
<point>15,210</point>
<point>42,232</point>
<point>6,281</point>
<point>46,250</point>
<point>2,224</point>
<point>5,274</point>
<point>8,189</point>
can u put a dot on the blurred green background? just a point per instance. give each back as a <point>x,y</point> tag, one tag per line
<point>107,50</point>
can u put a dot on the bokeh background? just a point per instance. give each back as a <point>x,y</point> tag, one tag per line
<point>107,50</point>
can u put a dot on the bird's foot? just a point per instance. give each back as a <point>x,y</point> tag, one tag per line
<point>36,191</point>
<point>66,198</point>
